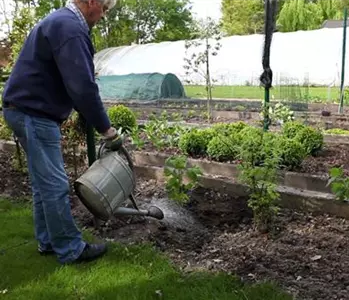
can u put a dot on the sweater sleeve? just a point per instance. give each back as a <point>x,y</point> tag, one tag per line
<point>75,63</point>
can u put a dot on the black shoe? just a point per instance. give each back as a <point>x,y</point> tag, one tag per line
<point>92,252</point>
<point>45,252</point>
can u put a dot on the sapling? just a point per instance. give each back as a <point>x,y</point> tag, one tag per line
<point>259,160</point>
<point>176,172</point>
<point>198,62</point>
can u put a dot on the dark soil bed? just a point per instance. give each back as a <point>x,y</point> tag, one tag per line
<point>331,156</point>
<point>307,255</point>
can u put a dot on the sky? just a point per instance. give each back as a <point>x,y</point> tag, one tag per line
<point>207,8</point>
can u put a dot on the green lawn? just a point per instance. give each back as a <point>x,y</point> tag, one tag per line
<point>254,92</point>
<point>137,272</point>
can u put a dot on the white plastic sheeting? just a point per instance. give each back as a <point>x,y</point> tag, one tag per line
<point>302,57</point>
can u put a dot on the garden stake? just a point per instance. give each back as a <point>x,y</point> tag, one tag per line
<point>267,76</point>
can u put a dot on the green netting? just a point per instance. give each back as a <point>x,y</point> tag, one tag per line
<point>142,87</point>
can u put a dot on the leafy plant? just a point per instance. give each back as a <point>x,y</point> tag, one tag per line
<point>292,152</point>
<point>223,148</point>
<point>229,128</point>
<point>279,114</point>
<point>136,138</point>
<point>176,171</point>
<point>258,170</point>
<point>5,131</point>
<point>122,117</point>
<point>312,139</point>
<point>337,131</point>
<point>290,129</point>
<point>195,141</point>
<point>161,134</point>
<point>339,184</point>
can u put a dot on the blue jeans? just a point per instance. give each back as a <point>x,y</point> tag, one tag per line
<point>54,224</point>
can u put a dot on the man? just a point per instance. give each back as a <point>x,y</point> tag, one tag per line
<point>54,73</point>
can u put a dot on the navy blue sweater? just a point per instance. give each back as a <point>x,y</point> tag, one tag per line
<point>54,73</point>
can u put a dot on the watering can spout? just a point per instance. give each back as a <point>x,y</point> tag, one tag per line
<point>153,212</point>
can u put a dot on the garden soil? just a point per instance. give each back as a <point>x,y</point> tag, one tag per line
<point>306,255</point>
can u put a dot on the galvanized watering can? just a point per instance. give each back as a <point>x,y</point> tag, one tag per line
<point>109,182</point>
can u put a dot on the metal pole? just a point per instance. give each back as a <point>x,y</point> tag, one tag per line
<point>266,107</point>
<point>341,102</point>
<point>91,146</point>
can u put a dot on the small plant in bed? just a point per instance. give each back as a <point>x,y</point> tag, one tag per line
<point>180,178</point>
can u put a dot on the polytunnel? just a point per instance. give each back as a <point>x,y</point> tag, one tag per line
<point>302,57</point>
<point>144,86</point>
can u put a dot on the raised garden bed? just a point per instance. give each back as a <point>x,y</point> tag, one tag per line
<point>307,255</point>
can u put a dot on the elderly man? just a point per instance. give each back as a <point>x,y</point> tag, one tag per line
<point>53,74</point>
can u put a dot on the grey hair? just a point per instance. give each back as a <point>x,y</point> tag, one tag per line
<point>109,3</point>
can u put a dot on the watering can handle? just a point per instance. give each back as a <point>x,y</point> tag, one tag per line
<point>113,144</point>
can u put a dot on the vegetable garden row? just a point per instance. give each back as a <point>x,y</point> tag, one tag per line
<point>224,238</point>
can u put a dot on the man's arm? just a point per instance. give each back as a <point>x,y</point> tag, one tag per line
<point>75,63</point>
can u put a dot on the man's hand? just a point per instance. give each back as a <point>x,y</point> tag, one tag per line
<point>110,134</point>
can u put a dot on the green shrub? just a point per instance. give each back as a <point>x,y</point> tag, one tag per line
<point>292,152</point>
<point>268,145</point>
<point>195,141</point>
<point>290,129</point>
<point>251,142</point>
<point>228,129</point>
<point>223,148</point>
<point>122,117</point>
<point>5,131</point>
<point>312,139</point>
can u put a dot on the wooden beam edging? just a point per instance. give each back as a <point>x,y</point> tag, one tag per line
<point>291,198</point>
<point>303,181</point>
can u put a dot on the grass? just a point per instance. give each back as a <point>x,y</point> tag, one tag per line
<point>311,94</point>
<point>137,272</point>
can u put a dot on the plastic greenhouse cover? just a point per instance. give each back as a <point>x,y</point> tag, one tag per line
<point>302,57</point>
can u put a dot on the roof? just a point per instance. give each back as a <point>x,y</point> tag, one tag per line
<point>333,24</point>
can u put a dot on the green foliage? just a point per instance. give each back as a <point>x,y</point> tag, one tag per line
<point>5,131</point>
<point>228,129</point>
<point>223,148</point>
<point>300,15</point>
<point>312,139</point>
<point>339,184</point>
<point>337,131</point>
<point>292,152</point>
<point>161,134</point>
<point>251,144</point>
<point>195,141</point>
<point>122,117</point>
<point>241,17</point>
<point>156,20</point>
<point>258,170</point>
<point>23,22</point>
<point>279,114</point>
<point>290,129</point>
<point>176,171</point>
<point>136,137</point>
